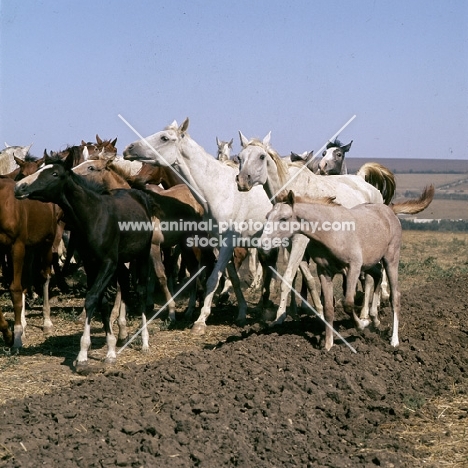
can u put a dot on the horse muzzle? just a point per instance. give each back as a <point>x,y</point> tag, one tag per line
<point>243,183</point>
<point>21,192</point>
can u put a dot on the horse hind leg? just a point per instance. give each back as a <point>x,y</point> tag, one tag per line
<point>6,332</point>
<point>391,267</point>
<point>92,302</point>
<point>48,326</point>
<point>162,279</point>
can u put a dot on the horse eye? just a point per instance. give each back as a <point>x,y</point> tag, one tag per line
<point>262,157</point>
<point>164,138</point>
<point>90,168</point>
<point>54,174</point>
<point>324,153</point>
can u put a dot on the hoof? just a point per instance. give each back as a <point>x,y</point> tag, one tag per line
<point>145,349</point>
<point>167,325</point>
<point>122,341</point>
<point>240,322</point>
<point>110,361</point>
<point>82,368</point>
<point>362,324</point>
<point>48,331</point>
<point>223,299</point>
<point>198,329</point>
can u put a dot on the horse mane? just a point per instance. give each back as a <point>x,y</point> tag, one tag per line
<point>335,144</point>
<point>123,172</point>
<point>30,158</point>
<point>284,198</point>
<point>75,151</point>
<point>230,163</point>
<point>90,184</point>
<point>281,166</point>
<point>79,180</point>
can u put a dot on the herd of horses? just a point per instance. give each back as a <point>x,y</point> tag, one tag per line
<point>90,192</point>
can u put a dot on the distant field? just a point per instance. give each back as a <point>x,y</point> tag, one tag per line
<point>450,177</point>
<point>402,165</point>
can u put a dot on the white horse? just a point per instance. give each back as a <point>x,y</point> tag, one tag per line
<point>234,216</point>
<point>8,155</point>
<point>224,149</point>
<point>255,268</point>
<point>332,160</point>
<point>261,165</point>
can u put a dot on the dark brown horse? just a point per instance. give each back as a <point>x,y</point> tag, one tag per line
<point>106,240</point>
<point>26,226</point>
<point>181,204</point>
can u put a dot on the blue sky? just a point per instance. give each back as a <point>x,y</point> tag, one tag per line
<point>299,68</point>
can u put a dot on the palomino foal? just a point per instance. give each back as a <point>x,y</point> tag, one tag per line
<point>357,239</point>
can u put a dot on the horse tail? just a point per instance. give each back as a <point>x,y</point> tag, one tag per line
<point>416,205</point>
<point>381,178</point>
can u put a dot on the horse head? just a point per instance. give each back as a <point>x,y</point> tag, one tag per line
<point>259,163</point>
<point>161,148</point>
<point>333,158</point>
<point>224,149</point>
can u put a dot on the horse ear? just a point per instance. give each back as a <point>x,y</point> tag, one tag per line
<point>329,144</point>
<point>309,157</point>
<point>347,147</point>
<point>244,141</point>
<point>98,140</point>
<point>217,142</point>
<point>266,140</point>
<point>27,148</point>
<point>6,145</point>
<point>114,142</point>
<point>46,157</point>
<point>183,127</point>
<point>295,157</point>
<point>68,159</point>
<point>18,161</point>
<point>40,162</point>
<point>291,198</point>
<point>85,153</point>
<point>230,143</point>
<point>83,143</point>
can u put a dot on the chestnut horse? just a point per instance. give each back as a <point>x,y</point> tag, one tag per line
<point>26,226</point>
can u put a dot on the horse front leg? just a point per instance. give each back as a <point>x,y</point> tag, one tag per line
<point>312,287</point>
<point>225,254</point>
<point>299,245</point>
<point>92,302</point>
<point>326,281</point>
<point>267,259</point>
<point>17,294</point>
